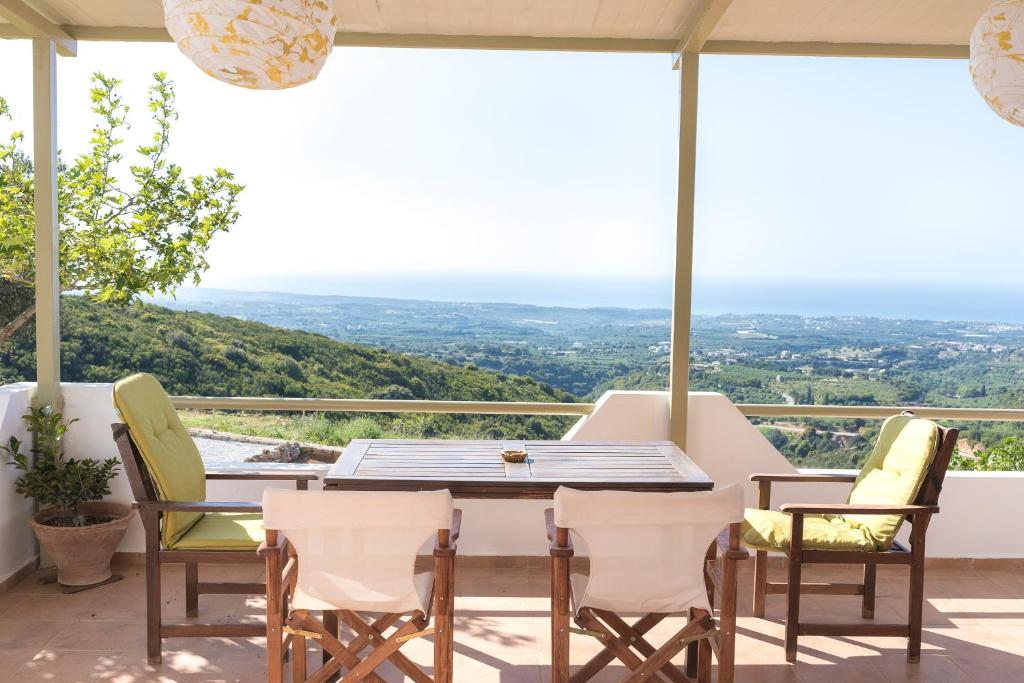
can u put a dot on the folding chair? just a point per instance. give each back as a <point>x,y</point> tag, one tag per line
<point>348,553</point>
<point>652,554</point>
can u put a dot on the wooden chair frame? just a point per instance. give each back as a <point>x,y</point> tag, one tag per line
<point>289,631</point>
<point>701,636</point>
<point>151,508</point>
<point>918,514</point>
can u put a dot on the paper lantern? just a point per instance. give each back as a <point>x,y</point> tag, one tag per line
<point>997,59</point>
<point>259,44</point>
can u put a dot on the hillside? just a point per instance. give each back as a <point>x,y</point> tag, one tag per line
<point>206,354</point>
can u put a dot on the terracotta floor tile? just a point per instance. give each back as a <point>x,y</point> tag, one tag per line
<point>974,632</point>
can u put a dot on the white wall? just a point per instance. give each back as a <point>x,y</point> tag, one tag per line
<point>976,516</point>
<point>16,538</point>
<point>974,522</point>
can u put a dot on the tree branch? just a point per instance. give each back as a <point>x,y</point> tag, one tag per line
<point>8,330</point>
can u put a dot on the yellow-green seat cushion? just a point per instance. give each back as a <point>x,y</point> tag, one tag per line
<point>893,474</point>
<point>771,530</point>
<point>223,531</point>
<point>171,456</point>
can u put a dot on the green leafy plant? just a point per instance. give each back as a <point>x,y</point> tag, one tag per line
<point>1007,456</point>
<point>49,476</point>
<point>127,227</point>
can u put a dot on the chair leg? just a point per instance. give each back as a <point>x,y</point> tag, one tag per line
<point>560,620</point>
<point>795,554</point>
<point>444,618</point>
<point>703,658</point>
<point>298,653</point>
<point>151,526</point>
<point>191,589</point>
<point>692,654</point>
<point>916,591</point>
<point>727,623</point>
<point>867,609</point>
<point>331,625</point>
<point>760,582</point>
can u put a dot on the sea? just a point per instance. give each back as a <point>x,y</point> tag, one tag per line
<point>939,300</point>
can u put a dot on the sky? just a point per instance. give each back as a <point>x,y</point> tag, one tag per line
<point>457,169</point>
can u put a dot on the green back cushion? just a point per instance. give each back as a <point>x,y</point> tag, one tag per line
<point>893,474</point>
<point>171,456</point>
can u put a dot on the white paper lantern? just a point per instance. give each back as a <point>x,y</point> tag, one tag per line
<point>997,59</point>
<point>259,44</point>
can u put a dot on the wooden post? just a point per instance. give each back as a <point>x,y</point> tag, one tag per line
<point>682,293</point>
<point>44,131</point>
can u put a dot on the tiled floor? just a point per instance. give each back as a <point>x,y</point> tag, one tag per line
<point>974,631</point>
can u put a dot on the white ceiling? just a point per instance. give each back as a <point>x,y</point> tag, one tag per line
<point>937,22</point>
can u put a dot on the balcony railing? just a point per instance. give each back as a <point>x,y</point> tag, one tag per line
<point>357,405</point>
<point>879,412</point>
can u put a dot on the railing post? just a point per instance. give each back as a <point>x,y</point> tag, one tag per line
<point>44,132</point>
<point>679,373</point>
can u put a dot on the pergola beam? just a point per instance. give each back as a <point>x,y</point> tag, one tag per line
<point>821,49</point>
<point>31,24</point>
<point>698,27</point>
<point>143,34</point>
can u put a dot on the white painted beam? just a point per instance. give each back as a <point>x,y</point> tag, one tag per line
<point>818,49</point>
<point>26,19</point>
<point>698,28</point>
<point>44,134</point>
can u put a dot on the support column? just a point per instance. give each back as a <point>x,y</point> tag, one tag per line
<point>679,373</point>
<point>44,132</point>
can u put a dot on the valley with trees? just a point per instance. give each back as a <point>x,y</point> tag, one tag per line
<point>134,228</point>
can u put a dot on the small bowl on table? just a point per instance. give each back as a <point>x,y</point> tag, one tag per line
<point>514,456</point>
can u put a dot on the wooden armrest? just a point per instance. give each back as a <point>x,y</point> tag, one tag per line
<point>728,552</point>
<point>805,478</point>
<point>197,506</point>
<point>263,475</point>
<point>279,547</point>
<point>556,548</point>
<point>853,509</point>
<point>449,549</point>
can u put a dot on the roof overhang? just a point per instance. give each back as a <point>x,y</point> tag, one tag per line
<point>862,28</point>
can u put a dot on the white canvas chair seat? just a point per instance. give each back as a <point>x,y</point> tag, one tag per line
<point>358,549</point>
<point>349,553</point>
<point>651,555</point>
<point>646,549</point>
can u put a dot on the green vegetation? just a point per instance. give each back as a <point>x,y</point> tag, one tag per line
<point>210,355</point>
<point>49,477</point>
<point>1007,456</point>
<point>123,231</point>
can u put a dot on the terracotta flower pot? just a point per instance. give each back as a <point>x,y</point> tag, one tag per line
<point>82,554</point>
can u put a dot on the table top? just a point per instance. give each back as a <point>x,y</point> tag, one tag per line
<point>475,469</point>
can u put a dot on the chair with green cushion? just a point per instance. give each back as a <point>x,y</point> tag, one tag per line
<point>168,481</point>
<point>901,480</point>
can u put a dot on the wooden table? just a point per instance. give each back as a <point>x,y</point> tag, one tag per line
<point>474,469</point>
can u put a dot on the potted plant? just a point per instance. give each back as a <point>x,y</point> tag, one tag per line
<point>74,526</point>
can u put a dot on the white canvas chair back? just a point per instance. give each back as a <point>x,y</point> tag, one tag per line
<point>357,549</point>
<point>646,549</point>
